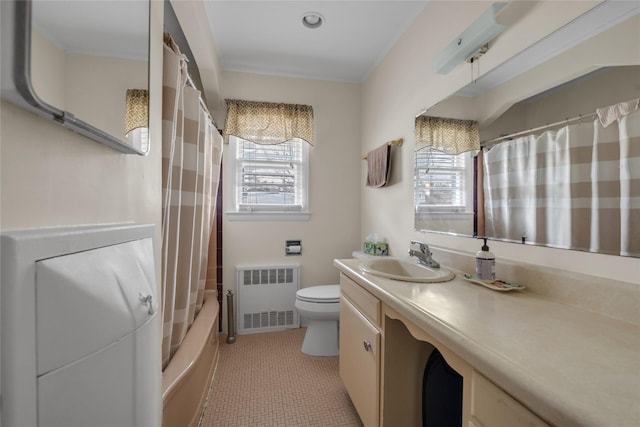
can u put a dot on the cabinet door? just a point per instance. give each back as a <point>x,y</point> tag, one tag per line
<point>493,407</point>
<point>360,361</point>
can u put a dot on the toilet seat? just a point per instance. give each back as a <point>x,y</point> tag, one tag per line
<point>325,294</point>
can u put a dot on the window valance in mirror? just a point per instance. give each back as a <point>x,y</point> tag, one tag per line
<point>451,136</point>
<point>268,123</point>
<point>137,110</point>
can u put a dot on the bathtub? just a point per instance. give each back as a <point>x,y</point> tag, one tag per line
<point>187,377</point>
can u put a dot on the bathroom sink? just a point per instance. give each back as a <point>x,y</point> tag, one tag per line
<point>405,270</point>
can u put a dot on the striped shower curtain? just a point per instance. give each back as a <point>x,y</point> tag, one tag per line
<point>191,153</point>
<point>527,189</point>
<point>578,188</point>
<point>614,212</point>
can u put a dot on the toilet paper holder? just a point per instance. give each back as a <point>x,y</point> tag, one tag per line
<point>293,247</point>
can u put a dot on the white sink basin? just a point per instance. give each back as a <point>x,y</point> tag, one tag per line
<point>406,271</point>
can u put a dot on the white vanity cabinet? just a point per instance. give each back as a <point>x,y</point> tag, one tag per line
<point>383,356</point>
<point>532,358</point>
<point>360,346</point>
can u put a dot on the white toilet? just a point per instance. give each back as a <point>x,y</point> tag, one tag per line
<point>320,305</point>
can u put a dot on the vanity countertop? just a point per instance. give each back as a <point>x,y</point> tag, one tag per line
<point>570,366</point>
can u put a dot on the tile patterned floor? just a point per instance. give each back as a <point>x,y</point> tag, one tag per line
<point>265,380</point>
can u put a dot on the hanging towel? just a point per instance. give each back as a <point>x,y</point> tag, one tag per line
<point>610,114</point>
<point>378,166</point>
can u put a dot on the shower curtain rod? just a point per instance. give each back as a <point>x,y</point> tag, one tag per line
<point>189,80</point>
<point>202,104</point>
<point>547,126</point>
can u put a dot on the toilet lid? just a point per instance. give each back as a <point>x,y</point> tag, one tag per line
<point>325,294</point>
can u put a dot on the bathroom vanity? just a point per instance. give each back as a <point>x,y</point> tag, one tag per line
<point>527,358</point>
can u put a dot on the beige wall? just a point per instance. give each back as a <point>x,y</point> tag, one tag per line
<point>73,82</point>
<point>617,46</point>
<point>406,82</point>
<point>50,176</point>
<point>195,25</point>
<point>615,85</point>
<point>334,182</point>
<point>47,70</point>
<point>105,79</point>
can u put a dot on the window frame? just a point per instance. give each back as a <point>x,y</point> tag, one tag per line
<point>267,212</point>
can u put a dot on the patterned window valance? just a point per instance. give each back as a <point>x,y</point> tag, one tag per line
<point>268,123</point>
<point>451,136</point>
<point>137,110</point>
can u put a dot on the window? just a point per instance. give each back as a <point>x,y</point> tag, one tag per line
<point>443,182</point>
<point>136,119</point>
<point>139,138</point>
<point>269,181</point>
<point>269,165</point>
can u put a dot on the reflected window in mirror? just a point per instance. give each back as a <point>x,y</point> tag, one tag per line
<point>443,182</point>
<point>444,191</point>
<point>444,174</point>
<point>139,139</point>
<point>136,119</point>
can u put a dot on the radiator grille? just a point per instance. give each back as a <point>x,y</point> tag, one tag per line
<point>267,276</point>
<point>266,297</point>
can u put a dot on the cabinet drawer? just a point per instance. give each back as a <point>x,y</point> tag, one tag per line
<point>492,407</point>
<point>366,303</point>
<point>360,362</point>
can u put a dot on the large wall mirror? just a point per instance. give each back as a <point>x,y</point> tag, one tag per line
<point>83,64</point>
<point>591,170</point>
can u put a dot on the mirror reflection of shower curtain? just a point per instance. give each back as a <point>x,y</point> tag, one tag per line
<point>578,187</point>
<point>615,184</point>
<point>528,189</point>
<point>630,185</point>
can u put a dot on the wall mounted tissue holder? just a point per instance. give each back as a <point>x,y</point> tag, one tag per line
<point>293,247</point>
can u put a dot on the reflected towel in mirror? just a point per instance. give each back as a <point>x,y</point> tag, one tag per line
<point>610,114</point>
<point>378,166</point>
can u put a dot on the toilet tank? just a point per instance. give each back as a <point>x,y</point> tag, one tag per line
<point>79,328</point>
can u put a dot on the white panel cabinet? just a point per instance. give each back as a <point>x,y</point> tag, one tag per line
<point>80,328</point>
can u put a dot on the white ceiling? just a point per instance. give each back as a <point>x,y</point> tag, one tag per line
<point>268,37</point>
<point>116,28</point>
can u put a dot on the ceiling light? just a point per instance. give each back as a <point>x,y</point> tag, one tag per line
<point>312,20</point>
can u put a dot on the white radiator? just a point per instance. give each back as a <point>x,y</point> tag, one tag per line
<point>266,298</point>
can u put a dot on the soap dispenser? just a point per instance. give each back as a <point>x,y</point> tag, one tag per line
<point>485,263</point>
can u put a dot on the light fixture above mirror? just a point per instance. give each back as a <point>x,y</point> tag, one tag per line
<point>472,40</point>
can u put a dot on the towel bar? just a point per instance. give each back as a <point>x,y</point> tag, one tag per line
<point>397,142</point>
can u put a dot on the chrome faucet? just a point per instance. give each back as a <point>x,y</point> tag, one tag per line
<point>423,254</point>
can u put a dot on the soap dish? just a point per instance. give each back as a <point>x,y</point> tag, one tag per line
<point>496,285</point>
